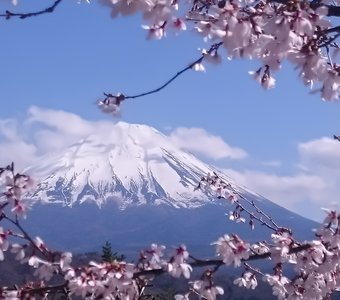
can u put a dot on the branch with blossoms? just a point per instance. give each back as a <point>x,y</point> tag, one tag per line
<point>316,263</point>
<point>111,103</point>
<point>223,190</point>
<point>269,31</point>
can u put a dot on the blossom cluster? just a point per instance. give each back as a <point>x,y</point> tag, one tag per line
<point>316,263</point>
<point>266,31</point>
<point>232,249</point>
<point>219,187</point>
<point>204,288</point>
<point>104,280</point>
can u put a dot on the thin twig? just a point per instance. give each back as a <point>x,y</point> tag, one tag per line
<point>9,14</point>
<point>255,270</point>
<point>330,41</point>
<point>252,215</point>
<point>50,288</point>
<point>333,29</point>
<point>27,236</point>
<point>273,226</point>
<point>329,56</point>
<point>213,48</point>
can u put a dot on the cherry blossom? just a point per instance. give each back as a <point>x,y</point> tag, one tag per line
<point>152,258</point>
<point>278,283</point>
<point>182,297</point>
<point>247,280</point>
<point>332,218</point>
<point>199,67</point>
<point>235,216</point>
<point>268,32</point>
<point>260,248</point>
<point>316,262</point>
<point>232,249</point>
<point>207,290</point>
<point>111,104</point>
<point>280,250</point>
<point>177,265</point>
<point>103,280</point>
<point>4,244</point>
<point>65,261</point>
<point>179,24</point>
<point>19,251</point>
<point>155,31</point>
<point>20,208</point>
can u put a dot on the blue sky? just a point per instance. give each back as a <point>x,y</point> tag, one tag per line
<point>66,60</point>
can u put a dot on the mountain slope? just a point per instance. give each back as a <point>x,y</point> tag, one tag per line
<point>135,165</point>
<point>132,186</point>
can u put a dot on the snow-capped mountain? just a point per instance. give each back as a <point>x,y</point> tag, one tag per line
<point>133,165</point>
<point>132,186</point>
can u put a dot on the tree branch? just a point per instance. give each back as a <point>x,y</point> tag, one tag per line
<point>27,237</point>
<point>47,289</point>
<point>198,263</point>
<point>333,29</point>
<point>47,10</point>
<point>271,224</point>
<point>333,10</point>
<point>212,49</point>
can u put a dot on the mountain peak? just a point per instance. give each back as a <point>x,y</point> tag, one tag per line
<point>135,167</point>
<point>130,165</point>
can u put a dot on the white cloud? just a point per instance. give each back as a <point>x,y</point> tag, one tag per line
<point>9,129</point>
<point>59,129</point>
<point>13,147</point>
<point>198,140</point>
<point>61,121</point>
<point>53,130</point>
<point>321,154</point>
<point>315,181</point>
<point>287,191</point>
<point>43,131</point>
<point>50,141</point>
<point>19,152</point>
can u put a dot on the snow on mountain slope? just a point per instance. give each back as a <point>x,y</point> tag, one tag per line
<point>125,169</point>
<point>131,165</point>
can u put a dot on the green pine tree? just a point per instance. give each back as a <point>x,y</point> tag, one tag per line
<point>107,252</point>
<point>108,255</point>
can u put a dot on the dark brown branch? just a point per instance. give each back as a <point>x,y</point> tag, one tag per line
<point>254,270</point>
<point>198,263</point>
<point>333,10</point>
<point>252,215</point>
<point>333,29</point>
<point>46,289</point>
<point>26,236</point>
<point>47,10</point>
<point>212,49</point>
<point>336,137</point>
<point>31,291</point>
<point>330,41</point>
<point>271,224</point>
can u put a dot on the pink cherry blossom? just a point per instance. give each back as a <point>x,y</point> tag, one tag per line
<point>232,249</point>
